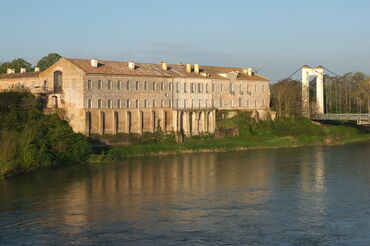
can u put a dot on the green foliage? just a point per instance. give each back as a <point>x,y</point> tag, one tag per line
<point>17,64</point>
<point>30,140</point>
<point>48,60</point>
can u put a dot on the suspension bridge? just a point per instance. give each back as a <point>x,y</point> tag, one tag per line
<point>334,97</point>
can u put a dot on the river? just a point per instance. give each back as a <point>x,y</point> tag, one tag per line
<point>301,196</point>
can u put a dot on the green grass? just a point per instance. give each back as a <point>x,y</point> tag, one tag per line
<point>288,132</point>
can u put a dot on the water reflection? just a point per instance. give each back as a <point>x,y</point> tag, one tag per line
<point>249,197</point>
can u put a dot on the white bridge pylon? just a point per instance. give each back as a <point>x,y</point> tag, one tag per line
<point>318,72</point>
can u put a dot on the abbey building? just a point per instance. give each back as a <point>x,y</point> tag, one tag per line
<point>109,97</point>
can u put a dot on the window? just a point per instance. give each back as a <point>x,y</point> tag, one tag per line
<point>162,86</point>
<point>110,87</point>
<point>154,86</point>
<point>128,103</point>
<point>58,81</point>
<point>137,103</point>
<point>162,103</point>
<point>255,103</point>
<point>145,103</point>
<point>170,86</point>
<point>137,85</point>
<point>89,103</point>
<point>222,87</point>
<point>119,103</point>
<point>100,85</point>
<point>199,88</point>
<point>221,102</point>
<point>154,103</point>
<point>146,85</point>
<point>109,103</point>
<point>213,87</point>
<point>193,103</point>
<point>207,88</point>
<point>255,88</point>
<point>177,87</point>
<point>192,87</point>
<point>100,103</point>
<point>89,85</point>
<point>185,87</point>
<point>177,103</point>
<point>170,103</point>
<point>119,85</point>
<point>185,103</point>
<point>128,85</point>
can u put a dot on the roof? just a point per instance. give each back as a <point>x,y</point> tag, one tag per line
<point>19,75</point>
<point>150,69</point>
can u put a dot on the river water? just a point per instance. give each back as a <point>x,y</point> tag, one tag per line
<point>301,196</point>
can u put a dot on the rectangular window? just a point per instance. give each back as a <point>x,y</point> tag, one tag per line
<point>162,86</point>
<point>119,104</point>
<point>213,87</point>
<point>192,87</point>
<point>100,85</point>
<point>137,85</point>
<point>110,87</point>
<point>146,85</point>
<point>199,88</point>
<point>128,103</point>
<point>222,87</point>
<point>154,86</point>
<point>89,103</point>
<point>89,85</point>
<point>170,86</point>
<point>185,87</point>
<point>119,85</point>
<point>177,87</point>
<point>207,91</point>
<point>154,103</point>
<point>109,103</point>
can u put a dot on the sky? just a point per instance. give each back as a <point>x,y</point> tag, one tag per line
<point>275,37</point>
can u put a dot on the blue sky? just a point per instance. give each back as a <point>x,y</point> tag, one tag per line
<point>275,37</point>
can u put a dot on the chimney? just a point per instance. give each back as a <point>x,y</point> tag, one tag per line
<point>250,71</point>
<point>131,65</point>
<point>196,68</point>
<point>23,70</point>
<point>164,65</point>
<point>10,70</point>
<point>94,62</point>
<point>37,69</point>
<point>188,68</point>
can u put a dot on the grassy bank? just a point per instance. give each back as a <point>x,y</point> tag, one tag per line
<point>248,134</point>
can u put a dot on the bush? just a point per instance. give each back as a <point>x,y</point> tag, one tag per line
<point>30,140</point>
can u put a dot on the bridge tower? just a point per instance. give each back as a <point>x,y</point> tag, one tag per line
<point>318,72</point>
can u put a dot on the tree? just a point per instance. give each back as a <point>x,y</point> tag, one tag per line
<point>286,97</point>
<point>17,64</point>
<point>48,60</point>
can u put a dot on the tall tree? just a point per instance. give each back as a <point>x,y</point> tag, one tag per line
<point>48,60</point>
<point>286,97</point>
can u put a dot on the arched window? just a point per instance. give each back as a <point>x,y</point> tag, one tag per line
<point>58,81</point>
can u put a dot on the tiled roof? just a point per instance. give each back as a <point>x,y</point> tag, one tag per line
<point>150,69</point>
<point>19,75</point>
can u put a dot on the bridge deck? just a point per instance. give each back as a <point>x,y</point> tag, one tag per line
<point>360,118</point>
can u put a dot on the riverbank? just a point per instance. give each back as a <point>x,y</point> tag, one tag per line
<point>281,133</point>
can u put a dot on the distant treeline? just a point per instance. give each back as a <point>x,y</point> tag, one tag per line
<point>19,63</point>
<point>30,139</point>
<point>349,93</point>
